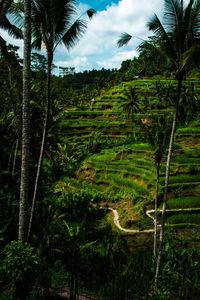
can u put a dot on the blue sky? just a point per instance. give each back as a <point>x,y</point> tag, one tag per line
<point>97,48</point>
<point>99,4</point>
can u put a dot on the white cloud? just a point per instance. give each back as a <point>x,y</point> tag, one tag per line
<point>116,59</point>
<point>80,63</point>
<point>99,42</point>
<point>98,47</point>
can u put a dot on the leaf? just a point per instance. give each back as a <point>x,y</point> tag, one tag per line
<point>167,246</point>
<point>183,252</point>
<point>123,39</point>
<point>69,229</point>
<point>87,245</point>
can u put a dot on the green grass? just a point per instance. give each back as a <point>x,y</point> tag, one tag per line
<point>131,184</point>
<point>141,162</point>
<point>184,202</point>
<point>130,169</point>
<point>146,147</point>
<point>181,179</point>
<point>121,186</point>
<point>184,218</point>
<point>189,130</point>
<point>122,168</point>
<point>182,186</point>
<point>186,160</point>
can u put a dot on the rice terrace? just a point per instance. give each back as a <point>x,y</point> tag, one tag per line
<point>100,149</point>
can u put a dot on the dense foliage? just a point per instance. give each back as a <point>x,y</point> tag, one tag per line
<point>108,131</point>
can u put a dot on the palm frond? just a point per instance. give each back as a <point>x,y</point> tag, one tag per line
<point>91,12</point>
<point>74,33</point>
<point>4,7</point>
<point>195,19</point>
<point>188,11</point>
<point>12,29</point>
<point>123,39</point>
<point>37,44</point>
<point>156,26</point>
<point>189,53</point>
<point>162,40</point>
<point>3,47</point>
<point>61,14</point>
<point>173,13</point>
<point>37,37</point>
<point>131,104</point>
<point>16,12</point>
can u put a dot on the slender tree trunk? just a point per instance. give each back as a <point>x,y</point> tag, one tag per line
<point>24,183</point>
<point>45,129</point>
<point>167,180</point>
<point>156,213</point>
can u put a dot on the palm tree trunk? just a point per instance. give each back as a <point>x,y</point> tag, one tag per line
<point>24,182</point>
<point>45,129</point>
<point>156,213</point>
<point>167,180</point>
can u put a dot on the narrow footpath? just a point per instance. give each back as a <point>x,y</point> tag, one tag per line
<point>148,213</point>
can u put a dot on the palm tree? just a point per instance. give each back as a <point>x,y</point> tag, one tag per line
<point>130,103</point>
<point>156,132</point>
<point>177,39</point>
<point>24,182</point>
<point>54,23</point>
<point>5,9</point>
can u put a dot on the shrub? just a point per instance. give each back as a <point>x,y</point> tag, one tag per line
<point>18,269</point>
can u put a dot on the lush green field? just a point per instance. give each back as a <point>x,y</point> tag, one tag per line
<point>126,168</point>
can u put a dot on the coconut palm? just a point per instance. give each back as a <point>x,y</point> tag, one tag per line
<point>24,182</point>
<point>177,39</point>
<point>54,23</point>
<point>131,104</point>
<point>156,132</point>
<point>5,10</point>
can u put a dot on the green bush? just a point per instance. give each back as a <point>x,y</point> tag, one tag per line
<point>19,267</point>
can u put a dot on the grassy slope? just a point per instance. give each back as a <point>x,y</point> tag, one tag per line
<point>126,173</point>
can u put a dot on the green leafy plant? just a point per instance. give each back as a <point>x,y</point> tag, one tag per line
<point>18,269</point>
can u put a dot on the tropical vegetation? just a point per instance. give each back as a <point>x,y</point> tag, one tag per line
<point>108,139</point>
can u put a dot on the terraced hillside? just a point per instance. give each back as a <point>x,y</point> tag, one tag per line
<point>105,114</point>
<point>127,177</point>
<point>184,182</point>
<point>126,174</point>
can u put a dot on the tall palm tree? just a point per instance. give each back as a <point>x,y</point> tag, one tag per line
<point>24,182</point>
<point>54,23</point>
<point>156,132</point>
<point>5,10</point>
<point>177,39</point>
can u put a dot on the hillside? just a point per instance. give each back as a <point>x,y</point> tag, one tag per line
<point>123,167</point>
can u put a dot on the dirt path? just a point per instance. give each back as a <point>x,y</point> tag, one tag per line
<point>116,221</point>
<point>148,213</point>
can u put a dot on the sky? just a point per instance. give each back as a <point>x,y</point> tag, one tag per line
<point>97,48</point>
